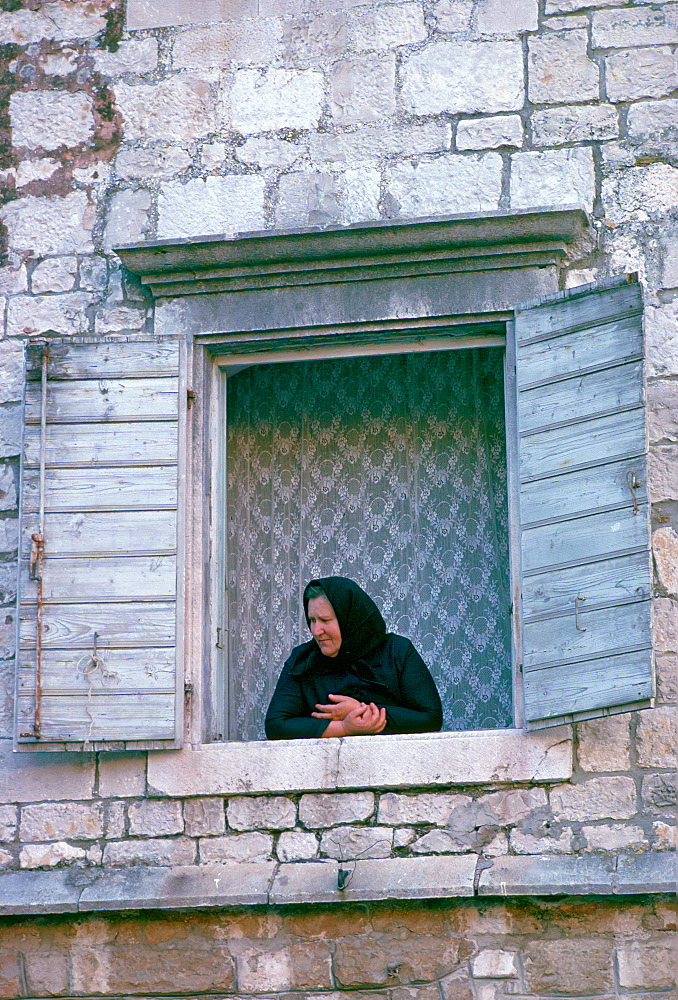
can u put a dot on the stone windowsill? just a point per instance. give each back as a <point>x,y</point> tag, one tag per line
<point>434,760</point>
<point>267,883</point>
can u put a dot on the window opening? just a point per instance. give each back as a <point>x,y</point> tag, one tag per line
<point>387,469</point>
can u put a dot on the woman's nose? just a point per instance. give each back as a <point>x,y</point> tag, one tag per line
<point>316,628</point>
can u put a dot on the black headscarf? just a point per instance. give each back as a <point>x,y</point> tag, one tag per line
<point>362,626</point>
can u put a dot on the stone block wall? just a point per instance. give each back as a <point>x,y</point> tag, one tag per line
<point>457,950</point>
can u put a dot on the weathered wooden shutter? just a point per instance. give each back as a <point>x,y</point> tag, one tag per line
<point>584,522</point>
<point>99,624</point>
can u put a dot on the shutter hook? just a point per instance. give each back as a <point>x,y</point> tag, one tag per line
<point>579,627</point>
<point>633,485</point>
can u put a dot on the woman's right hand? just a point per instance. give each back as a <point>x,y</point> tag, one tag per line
<point>365,720</point>
<point>339,707</point>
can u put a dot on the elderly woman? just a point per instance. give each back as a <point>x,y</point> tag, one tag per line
<point>352,678</point>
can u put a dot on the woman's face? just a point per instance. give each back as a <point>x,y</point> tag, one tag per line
<point>324,626</point>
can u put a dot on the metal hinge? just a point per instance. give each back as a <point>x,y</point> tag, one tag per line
<point>190,398</point>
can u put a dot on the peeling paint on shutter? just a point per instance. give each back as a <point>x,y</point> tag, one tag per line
<point>584,519</point>
<point>100,633</point>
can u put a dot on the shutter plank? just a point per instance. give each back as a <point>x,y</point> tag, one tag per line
<point>583,532</point>
<point>111,570</point>
<point>90,489</point>
<point>607,582</point>
<point>105,399</point>
<point>103,444</point>
<point>69,626</point>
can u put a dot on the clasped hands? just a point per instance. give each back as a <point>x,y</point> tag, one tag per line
<point>350,717</point>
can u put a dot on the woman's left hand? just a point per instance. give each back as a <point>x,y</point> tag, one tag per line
<point>339,707</point>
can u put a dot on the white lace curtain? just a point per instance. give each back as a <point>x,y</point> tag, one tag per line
<point>389,470</point>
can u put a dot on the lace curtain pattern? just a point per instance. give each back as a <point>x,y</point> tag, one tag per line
<point>389,470</point>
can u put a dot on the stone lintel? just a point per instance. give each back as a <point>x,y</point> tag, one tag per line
<point>428,760</point>
<point>366,250</point>
<point>239,884</point>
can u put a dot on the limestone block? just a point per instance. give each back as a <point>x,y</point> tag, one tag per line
<point>134,55</point>
<point>449,184</point>
<point>659,791</point>
<point>275,99</point>
<point>269,152</point>
<point>641,73</point>
<point>663,485</point>
<point>204,817</point>
<point>122,319</point>
<point>49,119</point>
<point>556,840</point>
<point>640,193</point>
<point>569,966</point>
<point>307,199</point>
<point>122,775</point>
<point>11,370</point>
<point>152,851</point>
<point>653,120</point>
<point>314,36</point>
<point>361,959</point>
<point>302,965</point>
<point>181,106</point>
<point>49,225</point>
<point>236,847</point>
<point>63,314</point>
<point>6,859</point>
<point>559,69</point>
<point>232,43</point>
<point>8,492</point>
<point>489,133</point>
<point>662,407</point>
<point>597,798</point>
<point>170,13</point>
<point>554,177</point>
<point>155,818</point>
<point>647,965</point>
<point>56,274</point>
<point>35,170</point>
<point>667,678</point>
<point>318,811</point>
<point>8,593</point>
<point>656,737</point>
<point>387,26</point>
<point>614,837</point>
<point>628,27</point>
<point>9,542</point>
<point>360,190</point>
<point>114,820</point>
<point>373,142</point>
<point>10,434</point>
<point>60,20</point>
<point>128,218</point>
<point>273,813</point>
<point>665,551</point>
<point>154,161</point>
<point>47,974</point>
<point>495,17</point>
<point>93,273</point>
<point>213,206</point>
<point>9,822</point>
<point>62,820</point>
<point>566,6</point>
<point>13,279</point>
<point>403,836</point>
<point>363,89</point>
<point>453,15</point>
<point>669,252</point>
<point>661,338</point>
<point>587,123</point>
<point>295,845</point>
<point>514,805</point>
<point>48,855</point>
<point>492,963</point>
<point>349,842</point>
<point>212,155</point>
<point>438,842</point>
<point>427,807</point>
<point>605,744</point>
<point>665,836</point>
<point>464,77</point>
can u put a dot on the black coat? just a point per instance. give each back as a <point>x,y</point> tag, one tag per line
<point>372,666</point>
